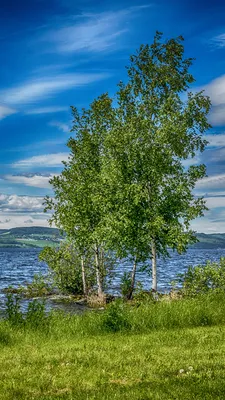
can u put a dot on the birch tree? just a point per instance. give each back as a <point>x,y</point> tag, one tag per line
<point>78,205</point>
<point>159,123</point>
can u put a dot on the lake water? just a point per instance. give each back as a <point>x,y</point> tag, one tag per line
<point>18,267</point>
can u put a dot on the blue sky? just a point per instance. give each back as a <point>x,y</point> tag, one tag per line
<point>59,53</point>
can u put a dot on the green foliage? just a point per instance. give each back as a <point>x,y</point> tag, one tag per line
<point>203,278</point>
<point>150,197</point>
<point>65,262</point>
<point>13,313</point>
<point>36,315</point>
<point>40,286</point>
<point>34,318</point>
<point>126,282</point>
<point>143,296</point>
<point>125,187</point>
<point>115,317</point>
<point>5,335</point>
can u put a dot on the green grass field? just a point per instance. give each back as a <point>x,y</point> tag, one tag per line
<point>169,350</point>
<point>38,243</point>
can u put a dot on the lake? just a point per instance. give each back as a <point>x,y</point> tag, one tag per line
<point>18,267</point>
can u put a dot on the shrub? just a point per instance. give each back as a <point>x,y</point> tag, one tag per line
<point>203,278</point>
<point>5,336</point>
<point>13,313</point>
<point>125,285</point>
<point>115,317</point>
<point>36,314</point>
<point>34,317</point>
<point>65,262</point>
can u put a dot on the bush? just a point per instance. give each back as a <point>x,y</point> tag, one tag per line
<point>125,285</point>
<point>41,285</point>
<point>13,313</point>
<point>36,315</point>
<point>5,336</point>
<point>115,317</point>
<point>203,278</point>
<point>65,262</point>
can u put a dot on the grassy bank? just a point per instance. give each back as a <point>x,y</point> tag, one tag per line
<point>162,350</point>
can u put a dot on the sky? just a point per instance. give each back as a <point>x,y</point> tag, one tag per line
<point>59,53</point>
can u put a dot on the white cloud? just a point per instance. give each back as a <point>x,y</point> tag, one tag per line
<point>219,40</point>
<point>35,180</point>
<point>6,111</point>
<point>205,225</point>
<point>90,32</point>
<point>54,160</point>
<point>216,91</point>
<point>217,155</point>
<point>217,115</point>
<point>47,110</point>
<point>211,182</point>
<point>61,126</point>
<point>21,220</point>
<point>215,202</point>
<point>216,140</point>
<point>35,90</point>
<point>22,211</point>
<point>191,161</point>
<point>14,203</point>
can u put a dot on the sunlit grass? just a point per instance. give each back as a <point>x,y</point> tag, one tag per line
<point>173,350</point>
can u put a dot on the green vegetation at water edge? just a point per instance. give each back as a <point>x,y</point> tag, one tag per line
<point>158,350</point>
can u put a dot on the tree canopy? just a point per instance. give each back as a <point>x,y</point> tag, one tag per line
<point>125,188</point>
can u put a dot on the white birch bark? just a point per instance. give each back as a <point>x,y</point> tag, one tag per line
<point>154,267</point>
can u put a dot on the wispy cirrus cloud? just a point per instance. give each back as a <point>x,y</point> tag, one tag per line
<point>6,111</point>
<point>215,202</point>
<point>215,140</point>
<point>35,90</point>
<point>92,32</point>
<point>191,161</point>
<point>48,160</point>
<point>219,40</point>
<point>61,126</point>
<point>213,182</point>
<point>47,110</point>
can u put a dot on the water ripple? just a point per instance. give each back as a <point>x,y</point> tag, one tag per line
<point>18,267</point>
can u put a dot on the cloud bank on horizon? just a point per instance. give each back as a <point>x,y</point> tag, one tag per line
<point>59,53</point>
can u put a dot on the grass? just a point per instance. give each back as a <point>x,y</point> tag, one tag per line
<point>163,350</point>
<point>38,243</point>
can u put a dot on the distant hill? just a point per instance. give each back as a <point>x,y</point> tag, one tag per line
<point>210,241</point>
<point>28,237</point>
<point>31,230</point>
<point>36,236</point>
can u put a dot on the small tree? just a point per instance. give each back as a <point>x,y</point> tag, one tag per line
<point>78,206</point>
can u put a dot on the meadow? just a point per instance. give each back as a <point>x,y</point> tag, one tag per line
<point>168,349</point>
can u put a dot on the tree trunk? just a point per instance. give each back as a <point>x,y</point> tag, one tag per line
<point>154,270</point>
<point>98,272</point>
<point>83,276</point>
<point>130,294</point>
